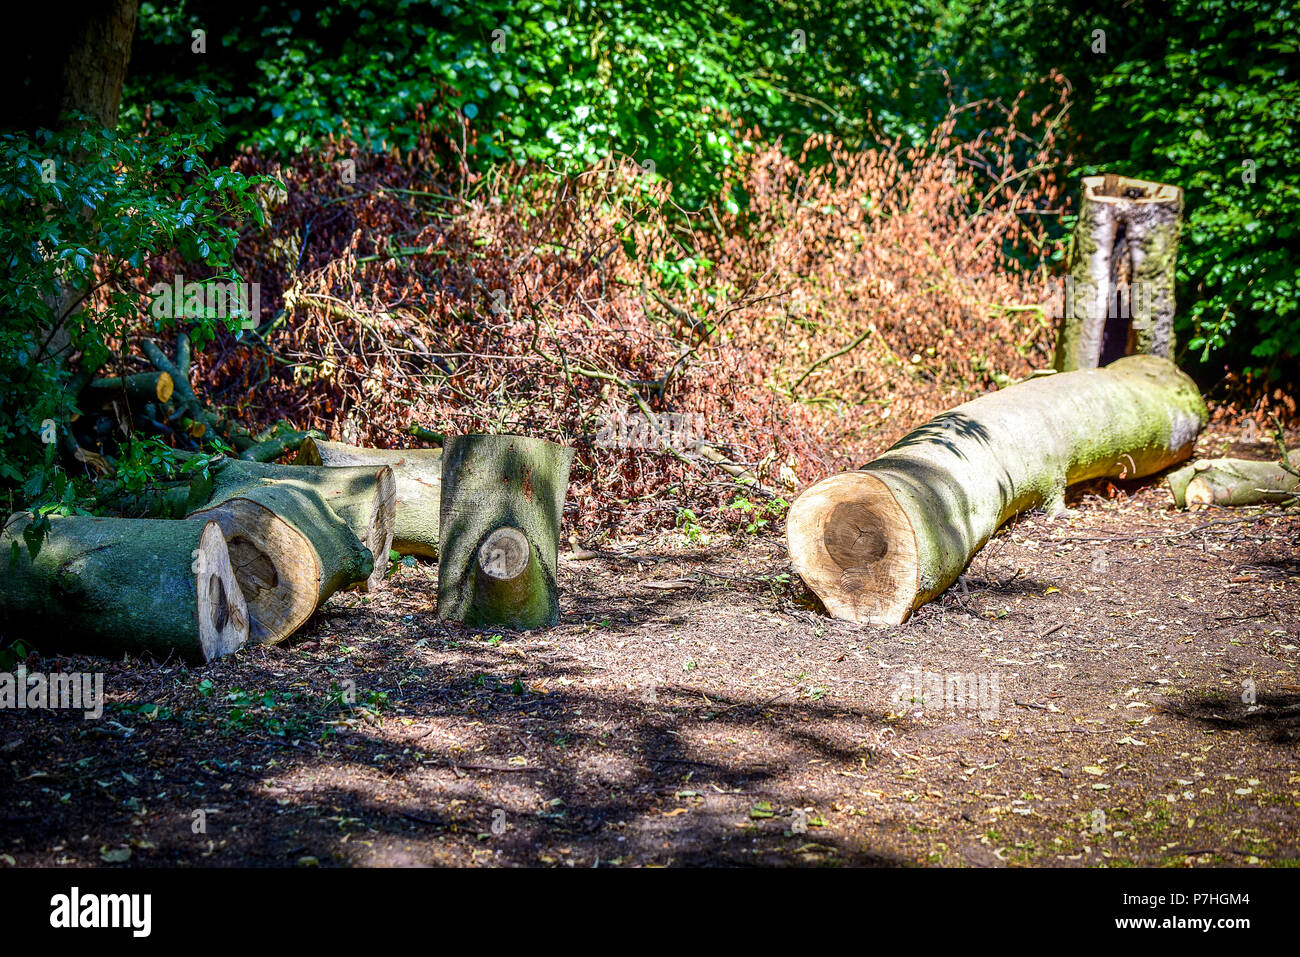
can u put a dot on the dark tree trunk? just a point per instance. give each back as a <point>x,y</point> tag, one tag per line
<point>76,61</point>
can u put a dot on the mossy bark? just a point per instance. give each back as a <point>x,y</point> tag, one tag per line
<point>501,510</point>
<point>418,474</point>
<point>879,542</point>
<point>1235,482</point>
<point>111,585</point>
<point>290,551</point>
<point>364,496</point>
<point>1119,296</point>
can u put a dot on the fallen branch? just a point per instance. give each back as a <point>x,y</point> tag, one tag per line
<point>1235,482</point>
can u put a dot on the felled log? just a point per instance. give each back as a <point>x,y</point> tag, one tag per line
<point>877,543</point>
<point>499,530</point>
<point>289,550</point>
<point>200,422</point>
<point>1119,293</point>
<point>112,585</point>
<point>1235,482</point>
<point>363,496</point>
<point>149,386</point>
<point>418,473</point>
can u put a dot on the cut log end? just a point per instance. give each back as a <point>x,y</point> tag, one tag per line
<point>855,548</point>
<point>504,554</point>
<point>165,388</point>
<point>222,611</point>
<point>509,587</point>
<point>274,565</point>
<point>1112,187</point>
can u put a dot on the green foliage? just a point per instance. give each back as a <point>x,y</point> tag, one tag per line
<point>81,209</point>
<point>1184,92</point>
<point>556,81</point>
<point>755,517</point>
<point>1217,110</point>
<point>147,460</point>
<point>689,523</point>
<point>13,654</point>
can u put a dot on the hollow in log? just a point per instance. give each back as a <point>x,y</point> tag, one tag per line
<point>501,508</point>
<point>877,543</point>
<point>106,586</point>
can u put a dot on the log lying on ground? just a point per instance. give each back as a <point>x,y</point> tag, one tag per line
<point>1235,482</point>
<point>289,550</point>
<point>149,386</point>
<point>879,542</point>
<point>499,529</point>
<point>1119,297</point>
<point>364,496</point>
<point>113,585</point>
<point>419,482</point>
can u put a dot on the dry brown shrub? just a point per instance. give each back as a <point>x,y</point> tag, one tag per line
<point>534,303</point>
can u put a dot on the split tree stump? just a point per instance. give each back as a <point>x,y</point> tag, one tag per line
<point>499,530</point>
<point>879,542</point>
<point>105,586</point>
<point>1119,294</point>
<point>418,473</point>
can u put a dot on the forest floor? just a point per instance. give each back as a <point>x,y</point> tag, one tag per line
<point>694,708</point>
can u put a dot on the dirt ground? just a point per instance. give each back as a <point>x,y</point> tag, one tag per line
<point>694,708</point>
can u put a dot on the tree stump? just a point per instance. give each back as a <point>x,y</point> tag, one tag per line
<point>111,585</point>
<point>418,474</point>
<point>1119,293</point>
<point>499,530</point>
<point>879,542</point>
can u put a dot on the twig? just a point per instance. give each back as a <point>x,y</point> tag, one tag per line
<point>829,356</point>
<point>1182,534</point>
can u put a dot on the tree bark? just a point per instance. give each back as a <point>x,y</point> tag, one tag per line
<point>418,473</point>
<point>877,543</point>
<point>290,551</point>
<point>112,585</point>
<point>147,386</point>
<point>75,64</point>
<point>1235,482</point>
<point>499,527</point>
<point>1119,294</point>
<point>363,496</point>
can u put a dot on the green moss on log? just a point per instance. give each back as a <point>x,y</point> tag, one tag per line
<point>879,542</point>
